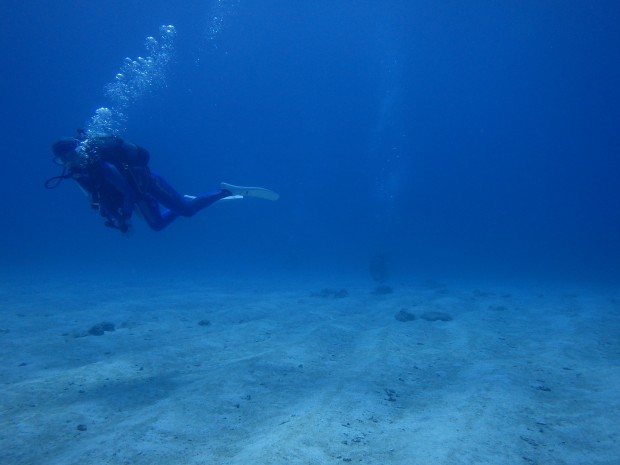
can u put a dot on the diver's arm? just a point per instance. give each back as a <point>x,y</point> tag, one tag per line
<point>114,177</point>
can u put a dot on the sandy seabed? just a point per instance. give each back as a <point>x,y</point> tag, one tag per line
<point>292,374</point>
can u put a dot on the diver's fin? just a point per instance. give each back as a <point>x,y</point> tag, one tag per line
<point>257,192</point>
<point>230,197</point>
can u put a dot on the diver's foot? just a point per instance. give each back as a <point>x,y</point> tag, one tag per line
<point>257,192</point>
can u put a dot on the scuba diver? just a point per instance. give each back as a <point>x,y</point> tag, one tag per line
<point>115,175</point>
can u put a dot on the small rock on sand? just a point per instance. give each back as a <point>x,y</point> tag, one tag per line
<point>101,328</point>
<point>404,316</point>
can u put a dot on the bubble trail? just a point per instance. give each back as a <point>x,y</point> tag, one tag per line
<point>134,79</point>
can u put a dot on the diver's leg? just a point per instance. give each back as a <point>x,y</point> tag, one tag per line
<point>184,206</point>
<point>156,218</point>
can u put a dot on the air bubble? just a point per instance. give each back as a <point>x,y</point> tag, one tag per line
<point>136,78</point>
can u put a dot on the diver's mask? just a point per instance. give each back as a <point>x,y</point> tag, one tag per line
<point>69,153</point>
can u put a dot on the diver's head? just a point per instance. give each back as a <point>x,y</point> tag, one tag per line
<point>65,151</point>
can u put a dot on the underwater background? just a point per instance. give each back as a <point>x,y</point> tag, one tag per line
<point>467,140</point>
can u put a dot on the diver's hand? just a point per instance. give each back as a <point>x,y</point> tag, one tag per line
<point>124,227</point>
<point>120,224</point>
<point>122,220</point>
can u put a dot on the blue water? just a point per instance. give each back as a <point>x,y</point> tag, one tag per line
<point>459,138</point>
<point>464,154</point>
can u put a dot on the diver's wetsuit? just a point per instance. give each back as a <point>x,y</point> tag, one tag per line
<point>118,177</point>
<point>160,192</point>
